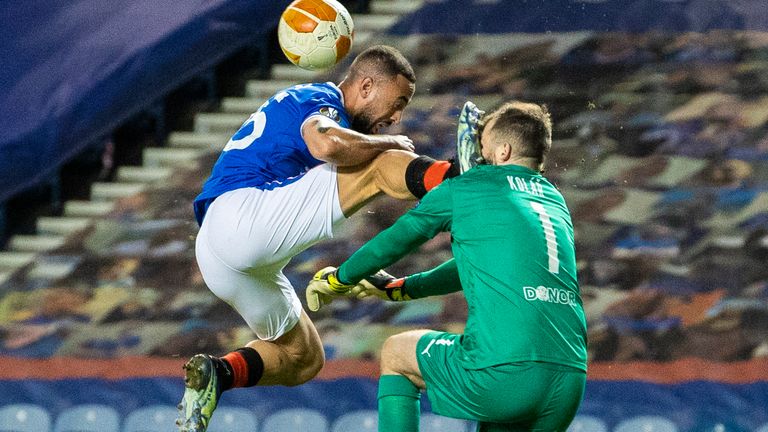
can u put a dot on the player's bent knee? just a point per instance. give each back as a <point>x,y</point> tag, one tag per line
<point>389,173</point>
<point>390,354</point>
<point>398,154</point>
<point>398,354</point>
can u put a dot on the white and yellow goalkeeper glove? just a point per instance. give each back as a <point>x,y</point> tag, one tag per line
<point>323,287</point>
<point>382,285</point>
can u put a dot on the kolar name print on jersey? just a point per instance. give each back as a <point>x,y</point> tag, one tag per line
<point>531,186</point>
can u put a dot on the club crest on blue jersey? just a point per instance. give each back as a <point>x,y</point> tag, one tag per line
<point>331,113</point>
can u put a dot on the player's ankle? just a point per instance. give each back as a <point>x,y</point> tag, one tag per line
<point>243,367</point>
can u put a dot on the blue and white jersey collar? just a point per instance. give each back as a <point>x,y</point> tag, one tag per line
<point>341,93</point>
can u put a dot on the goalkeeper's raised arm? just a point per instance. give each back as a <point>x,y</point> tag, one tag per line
<point>404,236</point>
<point>443,279</point>
<point>361,270</point>
<point>410,231</point>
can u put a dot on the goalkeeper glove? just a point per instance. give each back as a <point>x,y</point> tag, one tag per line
<point>382,285</point>
<point>323,287</point>
<point>468,146</point>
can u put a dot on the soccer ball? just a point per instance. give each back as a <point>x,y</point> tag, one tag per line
<point>315,34</point>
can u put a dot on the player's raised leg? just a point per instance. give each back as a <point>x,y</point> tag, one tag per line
<point>405,175</point>
<point>396,173</point>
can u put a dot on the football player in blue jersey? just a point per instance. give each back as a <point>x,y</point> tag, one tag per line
<point>308,158</point>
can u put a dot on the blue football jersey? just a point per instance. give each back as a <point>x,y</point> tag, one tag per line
<point>268,150</point>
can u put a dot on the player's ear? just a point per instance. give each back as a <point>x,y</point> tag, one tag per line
<point>506,151</point>
<point>366,86</point>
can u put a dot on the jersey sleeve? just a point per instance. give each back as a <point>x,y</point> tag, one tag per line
<point>325,105</point>
<point>443,279</point>
<point>408,233</point>
<point>433,214</point>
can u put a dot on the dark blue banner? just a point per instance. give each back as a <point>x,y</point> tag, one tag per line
<point>541,16</point>
<point>72,71</point>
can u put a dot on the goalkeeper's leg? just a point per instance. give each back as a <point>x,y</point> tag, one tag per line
<point>400,383</point>
<point>512,397</point>
<point>396,173</point>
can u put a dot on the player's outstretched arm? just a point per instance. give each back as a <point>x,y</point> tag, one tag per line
<point>409,232</point>
<point>382,285</point>
<point>329,142</point>
<point>390,246</point>
<point>441,280</point>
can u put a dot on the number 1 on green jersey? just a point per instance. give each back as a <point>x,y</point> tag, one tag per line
<point>549,235</point>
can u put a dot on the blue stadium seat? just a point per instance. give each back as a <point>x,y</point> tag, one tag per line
<point>155,418</point>
<point>357,421</point>
<point>24,418</point>
<point>435,423</point>
<point>298,419</point>
<point>723,426</point>
<point>646,424</point>
<point>227,419</point>
<point>88,418</point>
<point>584,423</point>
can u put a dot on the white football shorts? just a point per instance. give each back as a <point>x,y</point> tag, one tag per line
<point>249,235</point>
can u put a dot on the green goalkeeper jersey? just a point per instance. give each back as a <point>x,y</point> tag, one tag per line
<point>514,250</point>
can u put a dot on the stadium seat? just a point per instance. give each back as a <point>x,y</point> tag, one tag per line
<point>587,424</point>
<point>722,425</point>
<point>298,419</point>
<point>436,423</point>
<point>357,421</point>
<point>155,418</point>
<point>88,418</point>
<point>232,420</point>
<point>24,418</point>
<point>646,424</point>
<point>638,208</point>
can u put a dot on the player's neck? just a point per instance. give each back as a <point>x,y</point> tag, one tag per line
<point>346,94</point>
<point>526,162</point>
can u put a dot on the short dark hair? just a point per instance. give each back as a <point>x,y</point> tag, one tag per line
<point>527,127</point>
<point>381,60</point>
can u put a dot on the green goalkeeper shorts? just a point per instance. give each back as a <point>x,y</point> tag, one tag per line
<point>524,396</point>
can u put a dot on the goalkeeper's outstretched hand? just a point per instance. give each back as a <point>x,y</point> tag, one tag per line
<point>382,285</point>
<point>323,287</point>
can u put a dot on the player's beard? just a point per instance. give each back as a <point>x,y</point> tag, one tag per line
<point>363,122</point>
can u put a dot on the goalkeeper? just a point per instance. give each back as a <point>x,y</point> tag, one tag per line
<point>521,363</point>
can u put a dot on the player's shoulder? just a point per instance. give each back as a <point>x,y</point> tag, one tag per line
<point>473,175</point>
<point>492,175</point>
<point>315,91</point>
